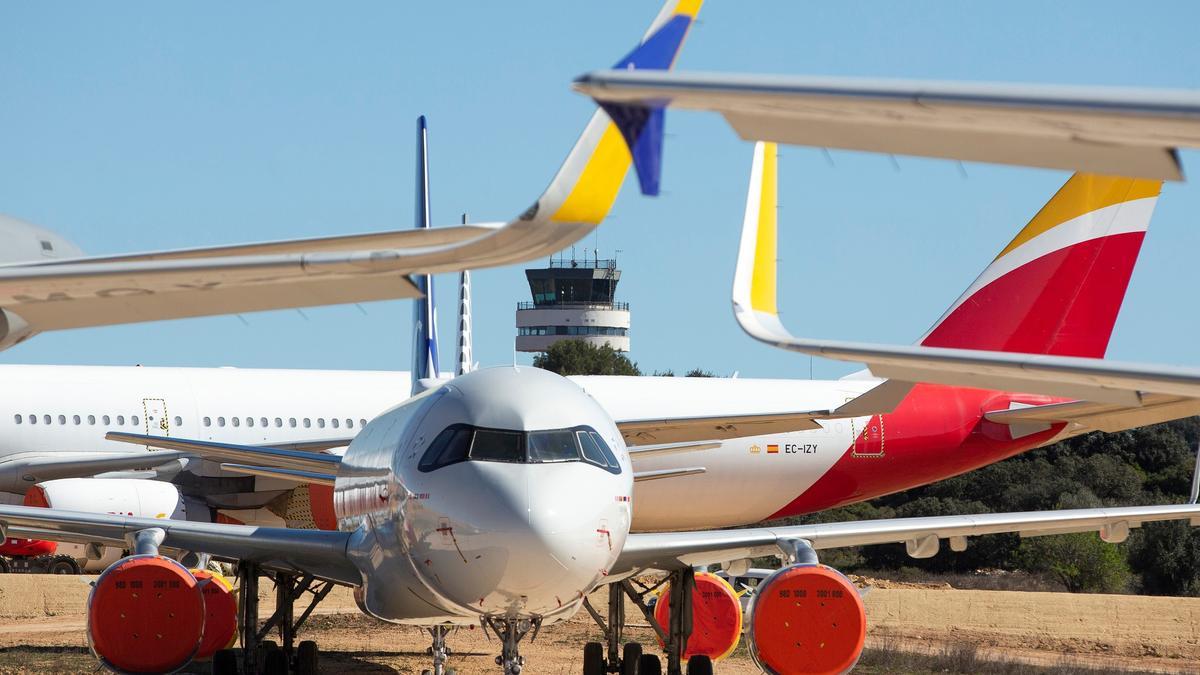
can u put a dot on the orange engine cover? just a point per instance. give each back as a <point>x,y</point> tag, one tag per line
<point>145,615</point>
<point>220,614</point>
<point>806,619</point>
<point>716,617</point>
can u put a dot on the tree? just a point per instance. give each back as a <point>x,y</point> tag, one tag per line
<point>1081,561</point>
<point>575,357</point>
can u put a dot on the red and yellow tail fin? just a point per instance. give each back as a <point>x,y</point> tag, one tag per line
<point>1058,286</point>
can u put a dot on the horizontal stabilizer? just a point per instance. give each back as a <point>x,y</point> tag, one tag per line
<point>1085,416</point>
<point>228,452</point>
<point>284,474</point>
<point>643,476</point>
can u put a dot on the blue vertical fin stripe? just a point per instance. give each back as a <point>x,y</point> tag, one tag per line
<point>642,125</point>
<point>425,348</point>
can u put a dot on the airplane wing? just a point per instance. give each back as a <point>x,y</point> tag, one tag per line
<point>318,552</point>
<point>1112,395</point>
<point>1105,130</point>
<point>279,275</point>
<point>668,550</point>
<point>50,467</point>
<point>257,455</point>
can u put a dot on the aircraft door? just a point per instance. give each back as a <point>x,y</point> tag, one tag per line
<point>154,414</point>
<point>868,441</point>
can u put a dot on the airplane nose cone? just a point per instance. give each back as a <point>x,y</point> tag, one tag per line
<point>540,536</point>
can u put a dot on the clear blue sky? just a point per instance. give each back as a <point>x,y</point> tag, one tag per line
<point>134,126</point>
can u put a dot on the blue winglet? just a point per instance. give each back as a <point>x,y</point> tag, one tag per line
<point>642,125</point>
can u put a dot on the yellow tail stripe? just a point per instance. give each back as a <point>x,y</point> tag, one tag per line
<point>593,195</point>
<point>762,284</point>
<point>1084,193</point>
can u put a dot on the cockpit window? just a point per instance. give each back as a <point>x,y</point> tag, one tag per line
<point>461,442</point>
<point>553,446</point>
<point>491,445</point>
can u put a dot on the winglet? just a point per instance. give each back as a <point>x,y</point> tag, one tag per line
<point>641,125</point>
<point>755,279</point>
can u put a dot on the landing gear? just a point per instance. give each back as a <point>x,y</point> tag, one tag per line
<point>256,648</point>
<point>631,661</point>
<point>439,651</point>
<point>511,632</point>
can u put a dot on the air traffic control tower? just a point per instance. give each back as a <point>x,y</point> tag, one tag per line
<point>573,300</point>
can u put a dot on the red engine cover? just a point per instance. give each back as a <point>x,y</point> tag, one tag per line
<point>806,619</point>
<point>716,617</point>
<point>220,614</point>
<point>29,548</point>
<point>145,615</point>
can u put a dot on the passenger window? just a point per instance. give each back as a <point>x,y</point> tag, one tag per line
<point>292,422</point>
<point>278,422</point>
<point>362,422</point>
<point>220,421</point>
<point>134,420</point>
<point>552,446</point>
<point>249,421</point>
<point>307,423</point>
<point>107,420</point>
<point>76,419</point>
<point>33,419</point>
<point>208,421</point>
<point>62,419</point>
<point>335,423</point>
<point>262,421</point>
<point>449,447</point>
<point>237,421</point>
<point>17,418</point>
<point>120,420</point>
<point>178,421</point>
<point>349,423</point>
<point>321,422</point>
<point>498,446</point>
<point>91,420</point>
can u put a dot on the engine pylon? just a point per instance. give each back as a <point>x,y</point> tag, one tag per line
<point>145,615</point>
<point>806,620</point>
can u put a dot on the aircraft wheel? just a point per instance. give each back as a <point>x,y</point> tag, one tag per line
<point>699,665</point>
<point>306,658</point>
<point>630,657</point>
<point>225,662</point>
<point>275,663</point>
<point>593,659</point>
<point>649,665</point>
<point>64,564</point>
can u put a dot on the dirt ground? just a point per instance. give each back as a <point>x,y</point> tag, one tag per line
<point>42,629</point>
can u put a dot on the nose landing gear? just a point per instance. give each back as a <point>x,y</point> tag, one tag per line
<point>511,632</point>
<point>439,651</point>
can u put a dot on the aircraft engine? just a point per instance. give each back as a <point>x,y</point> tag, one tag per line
<point>806,619</point>
<point>716,617</point>
<point>220,614</point>
<point>145,614</point>
<point>119,496</point>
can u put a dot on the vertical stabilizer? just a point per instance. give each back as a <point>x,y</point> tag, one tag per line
<point>1058,286</point>
<point>425,348</point>
<point>465,354</point>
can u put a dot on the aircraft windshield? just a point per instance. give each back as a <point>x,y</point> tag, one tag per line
<point>461,442</point>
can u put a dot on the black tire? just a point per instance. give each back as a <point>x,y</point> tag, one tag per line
<point>275,663</point>
<point>306,658</point>
<point>225,662</point>
<point>63,564</point>
<point>699,665</point>
<point>630,656</point>
<point>649,665</point>
<point>593,659</point>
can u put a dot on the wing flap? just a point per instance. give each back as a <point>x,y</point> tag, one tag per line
<point>253,455</point>
<point>690,429</point>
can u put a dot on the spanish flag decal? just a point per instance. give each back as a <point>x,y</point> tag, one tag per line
<point>773,449</point>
